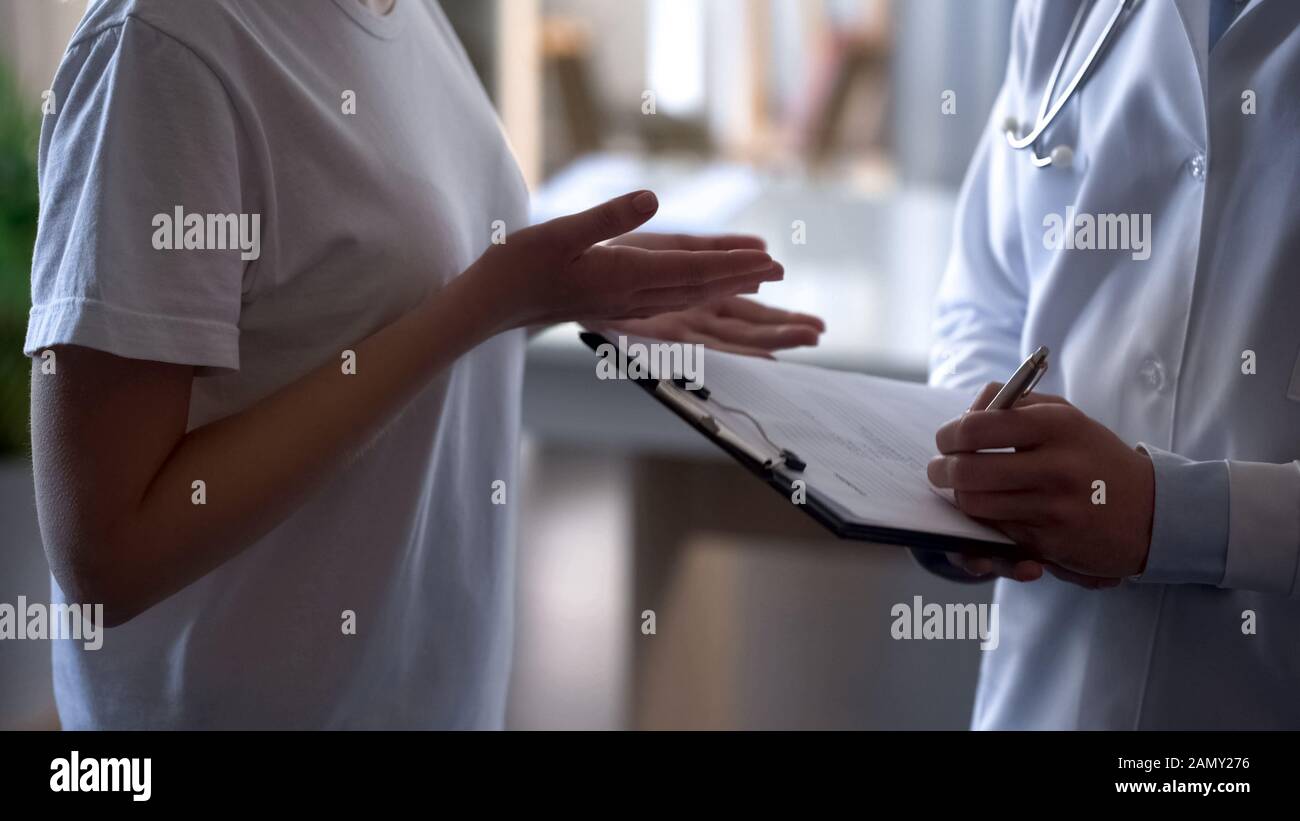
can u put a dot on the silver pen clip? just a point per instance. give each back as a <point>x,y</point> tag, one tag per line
<point>1038,377</point>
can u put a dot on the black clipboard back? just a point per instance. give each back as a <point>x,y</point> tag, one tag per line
<point>825,514</point>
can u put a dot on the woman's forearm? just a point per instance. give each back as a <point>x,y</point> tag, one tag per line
<point>259,465</point>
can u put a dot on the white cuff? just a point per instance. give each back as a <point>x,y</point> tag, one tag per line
<point>1263,527</point>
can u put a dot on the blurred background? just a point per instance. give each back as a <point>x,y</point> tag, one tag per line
<point>837,129</point>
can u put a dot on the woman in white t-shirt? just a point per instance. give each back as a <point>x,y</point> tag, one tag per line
<point>285,360</point>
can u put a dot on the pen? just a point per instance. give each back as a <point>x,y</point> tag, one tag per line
<point>1022,381</point>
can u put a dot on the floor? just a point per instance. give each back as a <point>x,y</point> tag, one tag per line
<point>761,620</point>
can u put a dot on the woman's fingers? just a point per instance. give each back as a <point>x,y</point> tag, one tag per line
<point>697,338</point>
<point>635,274</point>
<point>751,311</point>
<point>723,288</point>
<point>769,330</point>
<point>755,335</point>
<point>694,295</point>
<point>636,269</point>
<point>690,242</point>
<point>729,242</point>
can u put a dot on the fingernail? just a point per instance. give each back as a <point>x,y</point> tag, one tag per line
<point>645,202</point>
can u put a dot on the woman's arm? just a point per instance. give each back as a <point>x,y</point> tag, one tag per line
<point>115,466</point>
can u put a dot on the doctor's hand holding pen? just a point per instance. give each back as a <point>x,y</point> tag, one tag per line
<point>1044,495</point>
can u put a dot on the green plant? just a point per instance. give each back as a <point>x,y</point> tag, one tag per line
<point>19,131</point>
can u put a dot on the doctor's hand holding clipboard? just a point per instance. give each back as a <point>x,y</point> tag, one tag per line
<point>1031,495</point>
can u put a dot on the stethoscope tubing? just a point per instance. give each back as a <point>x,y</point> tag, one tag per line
<point>1047,109</point>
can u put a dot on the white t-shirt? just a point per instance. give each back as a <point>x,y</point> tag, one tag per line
<point>372,155</point>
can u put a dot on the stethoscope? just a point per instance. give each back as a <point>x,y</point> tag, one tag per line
<point>1062,156</point>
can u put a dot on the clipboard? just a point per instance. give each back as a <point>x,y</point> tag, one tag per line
<point>779,468</point>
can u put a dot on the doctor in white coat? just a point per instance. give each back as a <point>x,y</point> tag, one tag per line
<point>1163,498</point>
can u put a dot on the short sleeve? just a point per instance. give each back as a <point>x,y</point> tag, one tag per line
<point>143,137</point>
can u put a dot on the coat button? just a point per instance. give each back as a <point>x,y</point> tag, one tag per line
<point>1152,373</point>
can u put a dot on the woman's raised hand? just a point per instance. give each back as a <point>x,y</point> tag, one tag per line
<point>557,271</point>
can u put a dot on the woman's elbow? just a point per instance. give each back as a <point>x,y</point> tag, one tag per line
<point>93,575</point>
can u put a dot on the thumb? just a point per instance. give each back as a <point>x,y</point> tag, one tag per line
<point>620,215</point>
